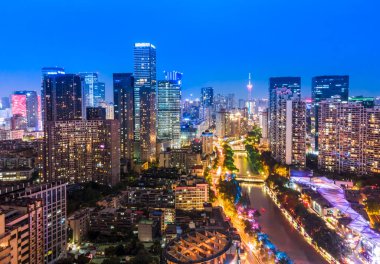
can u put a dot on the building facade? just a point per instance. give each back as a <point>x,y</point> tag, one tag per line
<point>82,150</point>
<point>348,137</point>
<point>53,197</point>
<point>169,112</point>
<point>123,85</point>
<point>325,87</point>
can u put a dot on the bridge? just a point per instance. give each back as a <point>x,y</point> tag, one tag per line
<point>250,179</point>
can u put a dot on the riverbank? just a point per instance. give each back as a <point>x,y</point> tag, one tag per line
<point>299,228</point>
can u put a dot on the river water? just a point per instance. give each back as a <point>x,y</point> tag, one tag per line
<point>273,223</point>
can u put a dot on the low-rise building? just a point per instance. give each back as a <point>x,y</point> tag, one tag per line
<point>191,193</point>
<point>79,223</point>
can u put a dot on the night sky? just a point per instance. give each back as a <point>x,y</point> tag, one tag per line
<point>214,43</point>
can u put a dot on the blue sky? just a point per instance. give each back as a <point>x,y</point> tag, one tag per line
<point>212,42</point>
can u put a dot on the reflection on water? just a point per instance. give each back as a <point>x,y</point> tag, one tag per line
<point>280,232</point>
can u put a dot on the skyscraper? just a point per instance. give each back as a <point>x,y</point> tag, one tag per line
<point>325,87</point>
<point>25,104</point>
<point>123,90</point>
<point>89,82</point>
<point>76,150</point>
<point>280,85</point>
<point>61,96</point>
<point>99,93</point>
<point>169,111</point>
<point>148,132</point>
<point>207,96</point>
<point>145,76</point>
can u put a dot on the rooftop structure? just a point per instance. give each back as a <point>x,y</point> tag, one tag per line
<point>198,247</point>
<point>335,195</point>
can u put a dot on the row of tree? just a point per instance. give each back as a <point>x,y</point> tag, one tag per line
<point>316,227</point>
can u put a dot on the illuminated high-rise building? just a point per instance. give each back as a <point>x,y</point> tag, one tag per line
<point>123,90</point>
<point>80,151</point>
<point>280,85</point>
<point>145,101</point>
<point>325,87</point>
<point>89,82</point>
<point>349,137</point>
<point>99,93</point>
<point>169,112</point>
<point>25,104</point>
<point>74,149</point>
<point>145,76</point>
<point>207,98</point>
<point>61,96</point>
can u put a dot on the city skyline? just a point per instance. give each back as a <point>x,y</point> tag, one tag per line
<point>313,47</point>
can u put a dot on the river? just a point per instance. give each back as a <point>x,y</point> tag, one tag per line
<point>273,223</point>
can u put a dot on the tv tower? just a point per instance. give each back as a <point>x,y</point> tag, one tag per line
<point>249,87</point>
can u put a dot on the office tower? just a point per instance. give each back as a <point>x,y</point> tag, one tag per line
<point>349,137</point>
<point>21,231</point>
<point>173,76</point>
<point>145,76</point>
<point>89,82</point>
<point>207,96</point>
<point>96,113</point>
<point>53,197</point>
<point>99,93</point>
<point>280,85</point>
<point>5,103</point>
<point>61,96</point>
<point>169,112</point>
<point>231,101</point>
<point>123,88</point>
<point>82,151</point>
<point>325,87</point>
<point>25,104</point>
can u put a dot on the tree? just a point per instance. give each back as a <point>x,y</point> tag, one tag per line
<point>120,250</point>
<point>156,248</point>
<point>111,261</point>
<point>110,251</point>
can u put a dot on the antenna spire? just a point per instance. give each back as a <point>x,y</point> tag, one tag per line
<point>249,87</point>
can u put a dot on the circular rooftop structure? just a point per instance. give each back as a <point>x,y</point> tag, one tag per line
<point>205,246</point>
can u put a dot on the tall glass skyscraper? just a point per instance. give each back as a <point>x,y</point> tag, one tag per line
<point>325,87</point>
<point>145,76</point>
<point>145,101</point>
<point>123,86</point>
<point>89,82</point>
<point>207,96</point>
<point>169,110</point>
<point>61,97</point>
<point>99,93</point>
